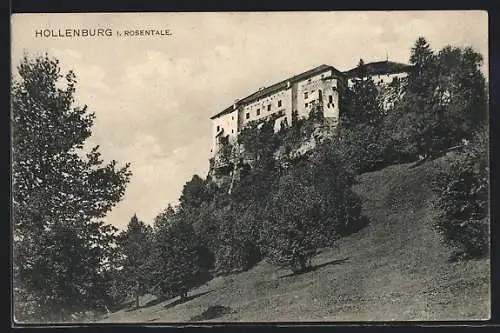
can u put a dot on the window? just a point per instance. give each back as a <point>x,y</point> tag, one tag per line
<point>232,117</point>
<point>232,131</point>
<point>247,115</point>
<point>279,103</point>
<point>306,95</point>
<point>218,128</point>
<point>258,112</point>
<point>307,104</point>
<point>330,99</point>
<point>269,107</point>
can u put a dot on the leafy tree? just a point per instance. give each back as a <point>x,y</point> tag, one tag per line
<point>193,193</point>
<point>236,247</point>
<point>259,144</point>
<point>443,103</point>
<point>461,92</point>
<point>178,256</point>
<point>463,200</point>
<point>59,194</point>
<point>291,231</point>
<point>136,247</point>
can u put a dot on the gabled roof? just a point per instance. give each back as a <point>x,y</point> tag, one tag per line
<point>279,86</point>
<point>379,67</point>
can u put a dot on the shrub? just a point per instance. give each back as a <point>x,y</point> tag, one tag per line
<point>463,200</point>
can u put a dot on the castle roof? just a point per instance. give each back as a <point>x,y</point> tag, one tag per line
<point>279,86</point>
<point>379,67</point>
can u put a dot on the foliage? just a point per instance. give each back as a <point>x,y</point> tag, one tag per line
<point>361,144</point>
<point>59,194</point>
<point>291,229</point>
<point>178,256</point>
<point>135,245</point>
<point>309,207</point>
<point>463,199</point>
<point>444,101</point>
<point>259,144</point>
<point>362,105</point>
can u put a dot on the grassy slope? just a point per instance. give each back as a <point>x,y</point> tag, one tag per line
<point>396,268</point>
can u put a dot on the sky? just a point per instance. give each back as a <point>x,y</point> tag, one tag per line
<point>153,95</point>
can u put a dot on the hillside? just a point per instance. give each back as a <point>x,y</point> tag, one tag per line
<point>396,268</point>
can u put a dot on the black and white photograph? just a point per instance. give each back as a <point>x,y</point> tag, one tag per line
<point>250,167</point>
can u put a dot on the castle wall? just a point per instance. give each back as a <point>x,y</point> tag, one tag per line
<point>228,123</point>
<point>264,107</point>
<point>300,96</point>
<point>381,79</point>
<point>322,88</point>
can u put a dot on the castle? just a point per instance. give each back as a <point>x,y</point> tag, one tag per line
<point>298,94</point>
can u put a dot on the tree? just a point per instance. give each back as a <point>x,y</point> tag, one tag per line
<point>193,193</point>
<point>293,230</point>
<point>362,105</point>
<point>461,92</point>
<point>444,101</point>
<point>136,247</point>
<point>362,124</point>
<point>178,256</point>
<point>60,193</point>
<point>463,199</point>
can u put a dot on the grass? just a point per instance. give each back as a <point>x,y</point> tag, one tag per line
<point>396,268</point>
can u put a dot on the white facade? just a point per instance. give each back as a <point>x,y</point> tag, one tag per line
<point>223,126</point>
<point>281,101</point>
<point>297,94</point>
<point>322,88</point>
<point>381,79</point>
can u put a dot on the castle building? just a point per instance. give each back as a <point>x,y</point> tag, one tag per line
<point>298,94</point>
<point>382,72</point>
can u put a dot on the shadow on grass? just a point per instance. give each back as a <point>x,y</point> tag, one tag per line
<point>156,301</point>
<point>316,267</point>
<point>212,312</point>
<point>122,306</point>
<point>458,256</point>
<point>354,227</point>
<point>184,300</point>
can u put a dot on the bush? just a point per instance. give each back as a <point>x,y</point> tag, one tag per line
<point>463,200</point>
<point>236,247</point>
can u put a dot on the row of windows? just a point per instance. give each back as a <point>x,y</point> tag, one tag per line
<point>330,102</point>
<point>269,106</point>
<point>218,129</point>
<point>330,97</point>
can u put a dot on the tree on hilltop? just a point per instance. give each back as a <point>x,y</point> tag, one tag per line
<point>60,193</point>
<point>444,100</point>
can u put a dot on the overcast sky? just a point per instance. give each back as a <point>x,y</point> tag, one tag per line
<point>153,96</point>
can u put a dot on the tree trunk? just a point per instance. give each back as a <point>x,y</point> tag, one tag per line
<point>137,295</point>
